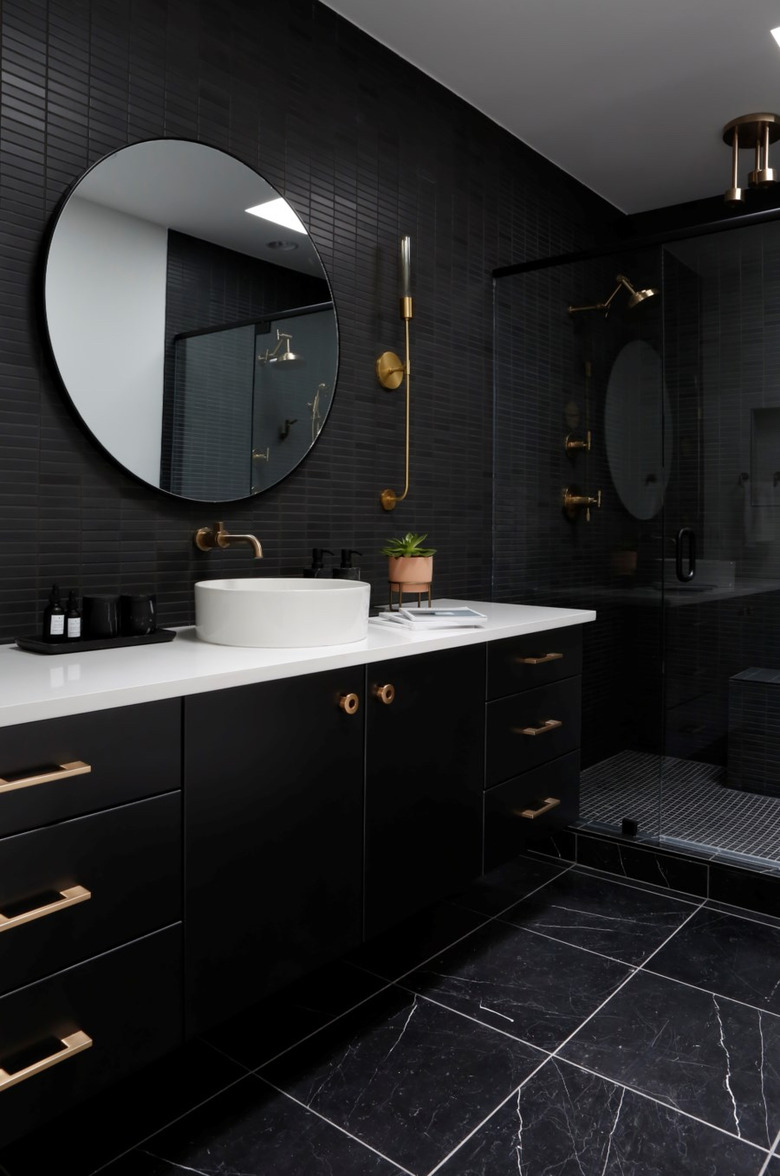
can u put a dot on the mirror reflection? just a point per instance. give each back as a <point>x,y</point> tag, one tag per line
<point>637,433</point>
<point>191,320</point>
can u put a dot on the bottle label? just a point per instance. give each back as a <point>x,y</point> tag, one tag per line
<point>57,625</point>
<point>74,628</point>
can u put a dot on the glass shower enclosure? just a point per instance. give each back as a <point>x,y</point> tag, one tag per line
<point>649,379</point>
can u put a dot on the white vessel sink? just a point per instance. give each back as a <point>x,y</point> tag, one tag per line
<point>281,613</point>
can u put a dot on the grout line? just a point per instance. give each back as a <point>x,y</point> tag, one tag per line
<point>738,912</point>
<point>136,1146</point>
<point>512,1094</point>
<point>387,985</point>
<point>771,1154</point>
<point>476,1020</point>
<point>342,1130</point>
<point>576,946</point>
<point>622,984</point>
<point>667,1105</point>
<point>686,896</point>
<point>712,992</point>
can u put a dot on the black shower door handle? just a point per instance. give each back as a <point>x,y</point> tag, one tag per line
<point>679,543</point>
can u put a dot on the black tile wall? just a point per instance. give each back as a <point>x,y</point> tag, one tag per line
<point>366,149</point>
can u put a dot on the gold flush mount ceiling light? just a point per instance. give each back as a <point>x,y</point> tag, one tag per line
<point>756,131</point>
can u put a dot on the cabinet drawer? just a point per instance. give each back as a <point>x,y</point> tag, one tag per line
<point>127,1003</point>
<point>508,824</point>
<point>530,728</point>
<point>132,752</point>
<point>520,663</point>
<point>121,868</point>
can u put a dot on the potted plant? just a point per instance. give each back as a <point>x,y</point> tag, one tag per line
<point>409,563</point>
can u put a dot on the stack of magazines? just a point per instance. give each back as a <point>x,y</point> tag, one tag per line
<point>418,619</point>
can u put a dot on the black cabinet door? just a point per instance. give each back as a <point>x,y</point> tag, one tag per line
<point>274,817</point>
<point>425,766</point>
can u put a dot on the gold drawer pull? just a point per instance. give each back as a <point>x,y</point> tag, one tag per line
<point>73,1044</point>
<point>549,725</point>
<point>385,694</point>
<point>550,802</point>
<point>61,772</point>
<point>539,661</point>
<point>67,898</point>
<point>349,703</point>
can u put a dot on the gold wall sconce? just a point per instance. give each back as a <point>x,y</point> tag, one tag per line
<point>756,131</point>
<point>391,371</point>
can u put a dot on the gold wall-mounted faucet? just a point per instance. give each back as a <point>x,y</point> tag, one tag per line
<point>207,538</point>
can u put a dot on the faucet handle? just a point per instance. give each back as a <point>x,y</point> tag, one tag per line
<point>206,537</point>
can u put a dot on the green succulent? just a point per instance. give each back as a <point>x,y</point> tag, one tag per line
<point>408,545</point>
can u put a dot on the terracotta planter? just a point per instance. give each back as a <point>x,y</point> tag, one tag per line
<point>413,572</point>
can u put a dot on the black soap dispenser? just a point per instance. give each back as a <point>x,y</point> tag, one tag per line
<point>317,571</point>
<point>54,617</point>
<point>345,571</point>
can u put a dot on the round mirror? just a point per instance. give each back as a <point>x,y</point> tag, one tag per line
<point>637,435</point>
<point>191,320</point>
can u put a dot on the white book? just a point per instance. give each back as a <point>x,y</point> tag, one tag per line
<point>417,619</point>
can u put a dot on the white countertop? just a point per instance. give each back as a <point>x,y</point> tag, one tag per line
<point>39,686</point>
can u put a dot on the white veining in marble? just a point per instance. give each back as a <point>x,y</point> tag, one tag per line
<point>37,686</point>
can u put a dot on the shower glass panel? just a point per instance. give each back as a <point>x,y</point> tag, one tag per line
<point>721,780</point>
<point>565,380</point>
<point>680,394</point>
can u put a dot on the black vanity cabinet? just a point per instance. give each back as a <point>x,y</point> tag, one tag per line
<point>424,770</point>
<point>274,831</point>
<point>532,767</point>
<point>90,905</point>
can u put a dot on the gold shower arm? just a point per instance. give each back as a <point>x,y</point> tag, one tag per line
<point>391,372</point>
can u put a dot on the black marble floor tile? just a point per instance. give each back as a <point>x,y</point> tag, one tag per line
<point>704,1054</point>
<point>537,989</point>
<point>617,920</point>
<point>723,953</point>
<point>415,940</point>
<point>630,861</point>
<point>566,1122</point>
<point>405,1076</point>
<point>505,885</point>
<point>96,1131</point>
<point>251,1130</point>
<point>745,888</point>
<point>260,1033</point>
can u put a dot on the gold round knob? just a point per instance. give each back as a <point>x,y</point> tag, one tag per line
<point>385,693</point>
<point>349,703</point>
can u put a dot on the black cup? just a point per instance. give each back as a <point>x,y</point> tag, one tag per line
<point>138,614</point>
<point>101,616</point>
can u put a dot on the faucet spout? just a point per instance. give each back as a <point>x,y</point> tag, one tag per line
<point>207,538</point>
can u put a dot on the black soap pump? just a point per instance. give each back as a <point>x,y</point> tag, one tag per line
<point>317,570</point>
<point>54,617</point>
<point>346,571</point>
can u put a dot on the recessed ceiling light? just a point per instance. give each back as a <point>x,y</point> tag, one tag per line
<point>279,212</point>
<point>776,34</point>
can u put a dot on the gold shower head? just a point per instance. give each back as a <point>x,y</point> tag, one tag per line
<point>637,296</point>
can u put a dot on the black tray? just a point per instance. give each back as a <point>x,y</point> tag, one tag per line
<point>38,645</point>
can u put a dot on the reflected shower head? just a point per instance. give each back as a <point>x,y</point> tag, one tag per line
<point>288,357</point>
<point>637,296</point>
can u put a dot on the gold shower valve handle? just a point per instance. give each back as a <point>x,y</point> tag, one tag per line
<point>573,501</point>
<point>571,444</point>
<point>349,703</point>
<point>385,693</point>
